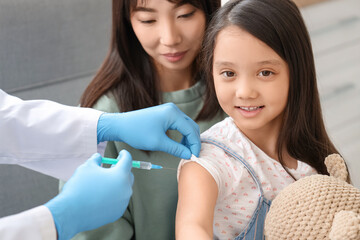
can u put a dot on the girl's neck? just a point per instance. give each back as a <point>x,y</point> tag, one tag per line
<point>268,145</point>
<point>266,139</point>
<point>175,80</point>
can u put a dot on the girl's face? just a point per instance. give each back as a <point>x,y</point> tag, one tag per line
<point>251,80</point>
<point>171,34</point>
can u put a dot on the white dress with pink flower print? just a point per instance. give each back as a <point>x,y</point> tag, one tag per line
<point>238,195</point>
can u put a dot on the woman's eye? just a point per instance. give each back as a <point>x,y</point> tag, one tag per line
<point>265,73</point>
<point>187,15</point>
<point>228,74</point>
<point>147,21</point>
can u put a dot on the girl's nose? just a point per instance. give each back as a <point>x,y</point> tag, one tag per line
<point>245,88</point>
<point>169,34</point>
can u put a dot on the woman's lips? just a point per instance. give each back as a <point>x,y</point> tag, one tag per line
<point>174,57</point>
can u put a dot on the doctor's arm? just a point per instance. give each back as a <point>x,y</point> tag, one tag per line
<point>94,196</point>
<point>55,139</point>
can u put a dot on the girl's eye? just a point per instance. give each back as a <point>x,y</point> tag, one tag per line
<point>265,73</point>
<point>228,74</point>
<point>187,15</point>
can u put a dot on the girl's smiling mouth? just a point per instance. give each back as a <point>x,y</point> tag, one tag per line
<point>250,111</point>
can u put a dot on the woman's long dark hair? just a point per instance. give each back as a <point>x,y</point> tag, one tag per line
<point>127,70</point>
<point>279,24</point>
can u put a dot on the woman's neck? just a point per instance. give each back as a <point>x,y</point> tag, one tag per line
<point>175,80</point>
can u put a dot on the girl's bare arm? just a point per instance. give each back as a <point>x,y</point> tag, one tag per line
<point>198,192</point>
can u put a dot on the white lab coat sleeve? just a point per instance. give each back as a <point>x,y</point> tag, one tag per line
<point>33,224</point>
<point>45,136</point>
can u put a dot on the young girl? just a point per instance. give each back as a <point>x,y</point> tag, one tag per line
<point>153,59</point>
<point>261,66</point>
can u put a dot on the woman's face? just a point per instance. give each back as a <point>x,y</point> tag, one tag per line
<point>251,80</point>
<point>171,34</point>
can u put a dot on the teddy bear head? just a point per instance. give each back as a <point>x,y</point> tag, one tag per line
<point>316,207</point>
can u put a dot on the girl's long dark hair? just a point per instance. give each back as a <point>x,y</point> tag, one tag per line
<point>279,24</point>
<point>127,71</point>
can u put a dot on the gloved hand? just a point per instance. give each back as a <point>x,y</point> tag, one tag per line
<point>145,129</point>
<point>94,196</point>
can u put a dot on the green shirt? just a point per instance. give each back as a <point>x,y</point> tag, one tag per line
<point>152,208</point>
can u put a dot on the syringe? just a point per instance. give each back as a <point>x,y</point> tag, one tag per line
<point>135,164</point>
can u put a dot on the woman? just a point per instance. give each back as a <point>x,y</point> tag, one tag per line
<point>152,60</point>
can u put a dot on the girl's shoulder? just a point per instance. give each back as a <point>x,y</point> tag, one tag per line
<point>218,164</point>
<point>106,103</point>
<point>215,159</point>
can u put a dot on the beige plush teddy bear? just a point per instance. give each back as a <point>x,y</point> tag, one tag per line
<point>316,207</point>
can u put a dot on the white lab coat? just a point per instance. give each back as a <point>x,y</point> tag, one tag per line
<point>34,224</point>
<point>47,137</point>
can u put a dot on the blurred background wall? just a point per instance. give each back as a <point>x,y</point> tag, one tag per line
<point>334,27</point>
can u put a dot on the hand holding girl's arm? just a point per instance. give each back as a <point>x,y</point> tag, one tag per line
<point>146,129</point>
<point>198,192</point>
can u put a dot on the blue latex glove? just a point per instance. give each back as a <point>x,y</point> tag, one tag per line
<point>94,196</point>
<point>146,129</point>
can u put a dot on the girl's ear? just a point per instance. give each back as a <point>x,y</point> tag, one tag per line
<point>336,167</point>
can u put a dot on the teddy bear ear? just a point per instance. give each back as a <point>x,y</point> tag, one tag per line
<point>336,167</point>
<point>346,225</point>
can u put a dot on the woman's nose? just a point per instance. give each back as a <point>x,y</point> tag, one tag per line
<point>170,34</point>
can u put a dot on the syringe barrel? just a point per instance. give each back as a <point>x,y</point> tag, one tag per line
<point>142,165</point>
